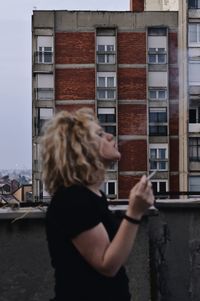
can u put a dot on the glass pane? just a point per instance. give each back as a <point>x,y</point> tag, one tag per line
<point>162,130</point>
<point>192,116</point>
<point>161,58</point>
<point>110,94</point>
<point>162,117</point>
<point>110,129</point>
<point>47,57</point>
<point>154,186</point>
<point>162,165</point>
<point>152,49</point>
<point>152,58</point>
<point>193,33</point>
<point>153,117</point>
<point>48,49</point>
<point>153,165</point>
<point>101,81</point>
<point>110,47</point>
<point>110,58</point>
<point>153,131</point>
<point>192,4</point>
<point>110,118</point>
<point>111,188</point>
<point>161,50</point>
<point>110,81</point>
<point>101,94</point>
<point>162,153</point>
<point>152,94</point>
<point>102,117</point>
<point>162,186</point>
<point>162,94</point>
<point>153,153</point>
<point>101,47</point>
<point>101,58</point>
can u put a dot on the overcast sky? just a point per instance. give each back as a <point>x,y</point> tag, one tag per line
<point>15,72</point>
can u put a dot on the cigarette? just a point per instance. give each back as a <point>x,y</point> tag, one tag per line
<point>152,174</point>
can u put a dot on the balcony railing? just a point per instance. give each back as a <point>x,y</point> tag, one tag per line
<point>44,57</point>
<point>44,93</point>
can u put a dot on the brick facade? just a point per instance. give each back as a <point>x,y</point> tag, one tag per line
<point>75,84</point>
<point>125,185</point>
<point>174,154</point>
<point>137,5</point>
<point>131,47</point>
<point>132,119</point>
<point>75,48</point>
<point>134,155</point>
<point>132,83</point>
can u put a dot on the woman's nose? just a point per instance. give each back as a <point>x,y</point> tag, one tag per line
<point>110,136</point>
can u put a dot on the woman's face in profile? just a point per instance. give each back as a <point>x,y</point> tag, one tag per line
<point>107,144</point>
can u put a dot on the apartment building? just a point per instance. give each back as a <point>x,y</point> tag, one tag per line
<point>124,65</point>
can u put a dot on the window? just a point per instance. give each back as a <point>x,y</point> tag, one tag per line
<point>105,50</point>
<point>107,115</point>
<point>110,188</point>
<point>44,54</point>
<point>159,186</point>
<point>194,4</point>
<point>194,33</point>
<point>158,115</point>
<point>45,85</point>
<point>157,31</point>
<point>194,183</point>
<point>158,93</point>
<point>194,149</point>
<point>110,129</point>
<point>194,71</point>
<point>194,115</point>
<point>158,157</point>
<point>106,85</point>
<point>157,79</point>
<point>44,114</point>
<point>157,56</point>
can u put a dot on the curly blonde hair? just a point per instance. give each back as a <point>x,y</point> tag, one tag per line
<point>69,151</point>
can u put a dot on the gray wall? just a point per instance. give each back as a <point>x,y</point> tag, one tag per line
<point>163,266</point>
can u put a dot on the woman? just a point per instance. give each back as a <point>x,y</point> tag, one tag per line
<point>87,249</point>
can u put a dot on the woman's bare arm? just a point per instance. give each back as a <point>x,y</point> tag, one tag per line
<point>94,244</point>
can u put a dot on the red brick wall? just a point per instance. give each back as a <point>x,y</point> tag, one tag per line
<point>174,154</point>
<point>132,119</point>
<point>131,47</point>
<point>137,5</point>
<point>132,83</point>
<point>173,119</point>
<point>173,50</point>
<point>125,185</point>
<point>173,83</point>
<point>134,155</point>
<point>75,84</point>
<point>174,184</point>
<point>72,107</point>
<point>75,48</point>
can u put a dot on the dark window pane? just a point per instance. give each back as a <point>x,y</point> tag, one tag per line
<point>162,186</point>
<point>154,186</point>
<point>111,188</point>
<point>192,116</point>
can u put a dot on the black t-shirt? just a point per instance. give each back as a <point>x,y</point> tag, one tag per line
<point>72,211</point>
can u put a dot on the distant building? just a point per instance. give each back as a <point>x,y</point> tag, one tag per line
<point>124,65</point>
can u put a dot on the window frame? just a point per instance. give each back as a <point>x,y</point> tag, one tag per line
<point>157,160</point>
<point>194,148</point>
